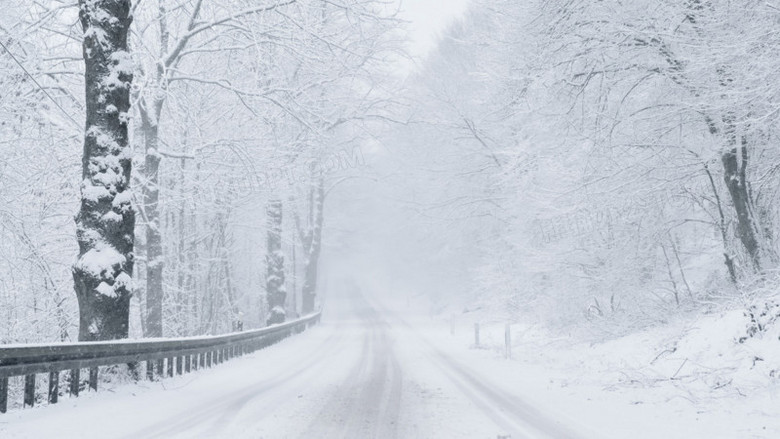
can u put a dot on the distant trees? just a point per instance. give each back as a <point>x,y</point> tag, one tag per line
<point>38,196</point>
<point>293,72</point>
<point>104,269</point>
<point>174,38</point>
<point>311,241</point>
<point>276,293</point>
<point>707,77</point>
<point>605,158</point>
<point>220,101</point>
<point>222,104</point>
<point>301,76</point>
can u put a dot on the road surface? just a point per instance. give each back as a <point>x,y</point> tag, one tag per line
<point>363,373</point>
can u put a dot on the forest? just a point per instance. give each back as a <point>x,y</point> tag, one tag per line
<point>602,167</point>
<point>600,178</point>
<point>211,131</point>
<point>546,200</point>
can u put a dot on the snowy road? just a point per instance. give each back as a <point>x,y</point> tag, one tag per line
<point>363,373</point>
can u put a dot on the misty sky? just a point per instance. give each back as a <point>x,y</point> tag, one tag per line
<point>428,18</point>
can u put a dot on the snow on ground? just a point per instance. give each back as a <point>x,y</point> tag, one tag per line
<point>691,378</point>
<point>161,408</point>
<point>378,368</point>
<point>353,376</point>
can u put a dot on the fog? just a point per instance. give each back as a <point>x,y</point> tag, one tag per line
<point>375,219</point>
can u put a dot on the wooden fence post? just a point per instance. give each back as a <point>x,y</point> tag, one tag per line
<point>508,341</point>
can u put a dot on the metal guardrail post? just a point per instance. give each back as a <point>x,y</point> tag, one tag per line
<point>54,387</point>
<point>75,384</point>
<point>3,394</point>
<point>150,370</point>
<point>93,378</point>
<point>508,341</point>
<point>29,390</point>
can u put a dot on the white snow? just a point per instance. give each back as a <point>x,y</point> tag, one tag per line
<point>108,178</point>
<point>388,370</point>
<point>121,65</point>
<point>104,139</point>
<point>112,217</point>
<point>123,280</point>
<point>100,261</point>
<point>123,200</point>
<point>106,290</point>
<point>93,192</point>
<point>680,380</point>
<point>98,34</point>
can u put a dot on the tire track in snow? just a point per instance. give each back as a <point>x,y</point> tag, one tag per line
<point>515,416</point>
<point>367,404</point>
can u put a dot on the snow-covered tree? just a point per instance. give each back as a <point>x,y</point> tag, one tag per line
<point>103,271</point>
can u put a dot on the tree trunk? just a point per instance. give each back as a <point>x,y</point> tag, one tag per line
<point>183,294</point>
<point>735,161</point>
<point>313,245</point>
<point>154,251</point>
<point>103,271</point>
<point>728,259</point>
<point>151,105</point>
<point>294,269</point>
<point>276,293</point>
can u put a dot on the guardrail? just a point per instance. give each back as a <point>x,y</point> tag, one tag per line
<point>159,355</point>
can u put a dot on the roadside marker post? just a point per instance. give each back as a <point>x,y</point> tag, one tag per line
<point>508,341</point>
